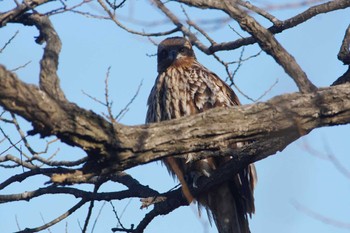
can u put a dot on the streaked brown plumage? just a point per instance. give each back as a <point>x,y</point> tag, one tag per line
<point>185,87</point>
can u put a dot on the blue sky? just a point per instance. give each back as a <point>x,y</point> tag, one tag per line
<point>90,46</point>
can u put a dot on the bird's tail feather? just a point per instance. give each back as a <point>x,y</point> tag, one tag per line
<point>226,212</point>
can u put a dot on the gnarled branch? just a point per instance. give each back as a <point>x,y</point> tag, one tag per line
<point>207,134</point>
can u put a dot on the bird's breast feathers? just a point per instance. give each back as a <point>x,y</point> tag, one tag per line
<point>183,91</point>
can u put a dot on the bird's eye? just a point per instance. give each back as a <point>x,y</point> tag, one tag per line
<point>182,50</point>
<point>163,53</point>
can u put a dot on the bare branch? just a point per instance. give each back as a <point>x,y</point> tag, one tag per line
<point>320,217</point>
<point>42,218</point>
<point>108,104</point>
<point>271,46</point>
<point>28,195</point>
<point>21,66</point>
<point>141,144</point>
<point>114,19</point>
<point>194,40</point>
<point>17,161</point>
<point>174,199</point>
<point>88,216</point>
<point>8,42</point>
<point>264,37</point>
<point>56,220</point>
<point>114,6</point>
<point>284,25</point>
<point>21,133</point>
<point>66,8</point>
<point>261,12</point>
<point>94,98</point>
<point>19,10</point>
<point>97,217</point>
<point>35,171</point>
<point>122,228</point>
<point>291,5</point>
<point>328,155</point>
<point>61,162</point>
<point>126,108</point>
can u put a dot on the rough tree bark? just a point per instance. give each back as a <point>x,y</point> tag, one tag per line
<point>271,125</point>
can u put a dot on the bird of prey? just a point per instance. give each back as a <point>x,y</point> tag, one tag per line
<point>184,87</point>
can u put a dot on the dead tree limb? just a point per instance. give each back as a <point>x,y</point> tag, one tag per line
<point>291,115</point>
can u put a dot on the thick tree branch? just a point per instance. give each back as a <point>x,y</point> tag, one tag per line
<point>271,126</point>
<point>46,114</point>
<point>281,120</point>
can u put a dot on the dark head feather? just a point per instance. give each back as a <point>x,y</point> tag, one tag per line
<point>174,51</point>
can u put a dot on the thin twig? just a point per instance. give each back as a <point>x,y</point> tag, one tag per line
<point>21,67</point>
<point>114,6</point>
<point>320,217</point>
<point>122,228</point>
<point>239,64</point>
<point>203,32</point>
<point>107,102</point>
<point>9,41</point>
<point>271,46</point>
<point>286,24</point>
<point>56,220</point>
<point>91,206</point>
<point>125,208</point>
<point>13,144</point>
<point>260,11</point>
<point>93,98</point>
<point>61,162</point>
<point>17,222</point>
<point>23,136</point>
<point>126,108</point>
<point>36,171</point>
<point>267,91</point>
<point>245,59</point>
<point>289,6</point>
<point>98,217</point>
<point>65,8</point>
<point>192,37</point>
<point>329,156</point>
<point>114,19</point>
<point>230,76</point>
<point>44,222</point>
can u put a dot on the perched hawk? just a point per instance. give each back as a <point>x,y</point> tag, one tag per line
<point>185,87</point>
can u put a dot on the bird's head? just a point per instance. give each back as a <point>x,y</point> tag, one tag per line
<point>174,51</point>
